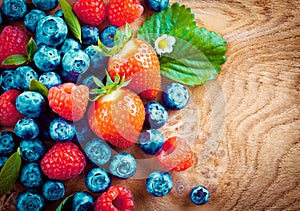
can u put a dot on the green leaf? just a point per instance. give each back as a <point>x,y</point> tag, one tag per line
<point>37,86</point>
<point>71,19</point>
<point>61,205</point>
<point>31,48</point>
<point>98,82</point>
<point>16,59</point>
<point>10,172</point>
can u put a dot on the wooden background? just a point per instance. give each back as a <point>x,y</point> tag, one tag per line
<point>248,148</point>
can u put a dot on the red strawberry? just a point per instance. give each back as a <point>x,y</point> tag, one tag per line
<point>69,100</point>
<point>122,11</point>
<point>9,115</point>
<point>116,198</point>
<point>63,161</point>
<point>176,155</point>
<point>91,12</point>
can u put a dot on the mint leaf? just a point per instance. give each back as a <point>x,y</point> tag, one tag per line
<point>16,59</point>
<point>10,172</point>
<point>61,205</point>
<point>31,48</point>
<point>71,19</point>
<point>37,86</point>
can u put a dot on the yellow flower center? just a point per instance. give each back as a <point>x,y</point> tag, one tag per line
<point>162,44</point>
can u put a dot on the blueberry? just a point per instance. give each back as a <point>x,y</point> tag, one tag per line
<point>29,200</point>
<point>97,180</point>
<point>156,115</point>
<point>31,104</point>
<point>89,82</point>
<point>82,201</point>
<point>54,190</point>
<point>175,96</point>
<point>31,175</point>
<point>14,9</point>
<point>32,150</point>
<point>74,63</point>
<point>7,143</point>
<point>32,18</point>
<point>51,31</point>
<point>50,79</point>
<point>59,13</point>
<point>107,35</point>
<point>123,165</point>
<point>23,76</point>
<point>46,58</point>
<point>44,122</point>
<point>61,130</point>
<point>83,131</point>
<point>8,80</point>
<point>45,5</point>
<point>159,183</point>
<point>199,195</point>
<point>3,161</point>
<point>98,60</point>
<point>26,128</point>
<point>157,5</point>
<point>90,34</point>
<point>69,44</point>
<point>97,151</point>
<point>0,18</point>
<point>151,141</point>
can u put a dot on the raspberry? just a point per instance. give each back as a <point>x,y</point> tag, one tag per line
<point>9,115</point>
<point>69,100</point>
<point>13,41</point>
<point>116,198</point>
<point>63,161</point>
<point>91,12</point>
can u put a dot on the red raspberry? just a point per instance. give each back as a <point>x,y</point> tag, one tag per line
<point>91,12</point>
<point>13,41</point>
<point>176,155</point>
<point>69,100</point>
<point>63,161</point>
<point>9,115</point>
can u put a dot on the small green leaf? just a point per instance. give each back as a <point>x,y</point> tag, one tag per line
<point>31,48</point>
<point>61,205</point>
<point>98,82</point>
<point>16,59</point>
<point>37,86</point>
<point>10,172</point>
<point>71,19</point>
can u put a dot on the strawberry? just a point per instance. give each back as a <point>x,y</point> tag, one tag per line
<point>176,155</point>
<point>9,115</point>
<point>117,115</point>
<point>13,41</point>
<point>69,100</point>
<point>63,161</point>
<point>116,198</point>
<point>91,12</point>
<point>121,11</point>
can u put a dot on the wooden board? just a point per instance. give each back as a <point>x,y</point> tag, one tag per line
<point>248,149</point>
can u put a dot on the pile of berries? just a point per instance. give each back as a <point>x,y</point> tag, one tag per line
<point>60,132</point>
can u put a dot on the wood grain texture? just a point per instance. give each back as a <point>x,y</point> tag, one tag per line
<point>248,146</point>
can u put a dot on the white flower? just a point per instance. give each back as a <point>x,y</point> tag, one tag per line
<point>164,44</point>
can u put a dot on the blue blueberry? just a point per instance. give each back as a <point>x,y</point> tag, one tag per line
<point>97,180</point>
<point>69,44</point>
<point>26,128</point>
<point>151,141</point>
<point>32,150</point>
<point>50,79</point>
<point>45,5</point>
<point>83,131</point>
<point>90,34</point>
<point>0,18</point>
<point>107,35</point>
<point>157,5</point>
<point>29,200</point>
<point>89,82</point>
<point>14,9</point>
<point>159,183</point>
<point>98,151</point>
<point>46,58</point>
<point>175,96</point>
<point>31,175</point>
<point>61,130</point>
<point>23,76</point>
<point>98,60</point>
<point>32,18</point>
<point>82,201</point>
<point>199,195</point>
<point>51,31</point>
<point>8,80</point>
<point>123,165</point>
<point>31,104</point>
<point>156,115</point>
<point>74,63</point>
<point>53,190</point>
<point>44,122</point>
<point>2,161</point>
<point>7,143</point>
<point>59,13</point>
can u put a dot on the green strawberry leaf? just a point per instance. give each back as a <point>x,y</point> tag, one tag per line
<point>37,86</point>
<point>31,48</point>
<point>61,205</point>
<point>16,59</point>
<point>71,19</point>
<point>10,172</point>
